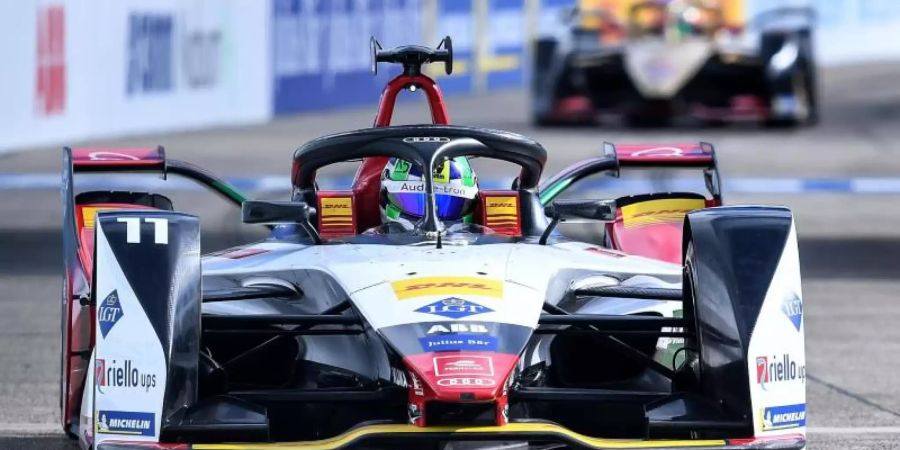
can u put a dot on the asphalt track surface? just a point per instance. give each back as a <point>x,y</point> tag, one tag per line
<point>850,243</point>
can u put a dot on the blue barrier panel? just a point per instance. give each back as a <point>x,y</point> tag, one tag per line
<point>505,63</point>
<point>455,18</point>
<point>321,56</point>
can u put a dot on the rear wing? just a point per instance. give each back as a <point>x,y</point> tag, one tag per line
<point>615,158</point>
<point>143,159</point>
<point>699,155</point>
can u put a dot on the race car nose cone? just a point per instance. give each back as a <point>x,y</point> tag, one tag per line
<point>461,377</point>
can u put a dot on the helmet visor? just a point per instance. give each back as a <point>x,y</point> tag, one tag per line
<point>448,207</point>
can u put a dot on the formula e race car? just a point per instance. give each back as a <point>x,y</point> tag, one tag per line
<point>341,330</point>
<point>677,58</point>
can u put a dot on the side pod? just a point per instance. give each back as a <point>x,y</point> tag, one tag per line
<point>147,294</point>
<point>742,286</point>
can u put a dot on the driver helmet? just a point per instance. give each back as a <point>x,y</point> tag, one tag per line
<point>403,191</point>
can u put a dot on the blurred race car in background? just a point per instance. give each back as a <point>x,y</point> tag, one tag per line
<point>670,58</point>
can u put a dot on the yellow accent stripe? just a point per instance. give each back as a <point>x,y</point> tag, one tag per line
<point>89,215</point>
<point>544,428</point>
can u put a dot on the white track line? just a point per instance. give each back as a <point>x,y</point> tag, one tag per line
<point>853,430</point>
<point>29,429</point>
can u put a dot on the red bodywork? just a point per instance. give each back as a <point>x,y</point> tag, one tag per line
<point>107,158</point>
<point>687,155</point>
<point>651,225</point>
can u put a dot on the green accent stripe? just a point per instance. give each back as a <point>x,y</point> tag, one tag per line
<point>230,191</point>
<point>547,195</point>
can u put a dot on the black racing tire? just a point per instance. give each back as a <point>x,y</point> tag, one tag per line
<point>802,82</point>
<point>804,91</point>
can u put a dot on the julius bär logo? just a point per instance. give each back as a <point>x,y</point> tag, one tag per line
<point>109,312</point>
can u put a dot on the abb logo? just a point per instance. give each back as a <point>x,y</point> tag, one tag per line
<point>50,75</point>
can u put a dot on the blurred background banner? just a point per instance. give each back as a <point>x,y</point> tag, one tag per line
<point>75,70</point>
<point>78,70</point>
<point>321,54</point>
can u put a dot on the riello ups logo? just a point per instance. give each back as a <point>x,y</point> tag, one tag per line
<point>778,369</point>
<point>110,373</point>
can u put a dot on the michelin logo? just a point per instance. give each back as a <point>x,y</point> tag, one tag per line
<point>783,417</point>
<point>126,422</point>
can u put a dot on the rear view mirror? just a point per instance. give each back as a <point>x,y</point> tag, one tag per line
<point>582,209</point>
<point>562,210</point>
<point>258,211</point>
<point>280,212</point>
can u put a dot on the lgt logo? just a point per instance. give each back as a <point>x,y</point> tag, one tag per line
<point>454,308</point>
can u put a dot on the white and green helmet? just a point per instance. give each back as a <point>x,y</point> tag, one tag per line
<point>403,190</point>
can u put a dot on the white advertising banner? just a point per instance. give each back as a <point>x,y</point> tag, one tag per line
<point>77,70</point>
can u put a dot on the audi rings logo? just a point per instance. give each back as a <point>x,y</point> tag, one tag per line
<point>466,382</point>
<point>422,139</point>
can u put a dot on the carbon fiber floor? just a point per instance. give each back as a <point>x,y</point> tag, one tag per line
<point>850,243</point>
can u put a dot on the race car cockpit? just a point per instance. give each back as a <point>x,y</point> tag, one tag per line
<point>514,212</point>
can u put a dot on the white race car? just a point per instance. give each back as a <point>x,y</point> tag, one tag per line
<point>339,331</point>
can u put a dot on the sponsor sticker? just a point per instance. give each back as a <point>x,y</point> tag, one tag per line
<point>792,307</point>
<point>456,342</point>
<point>463,365</point>
<point>783,417</point>
<point>109,311</point>
<point>337,206</point>
<point>125,374</point>
<point>443,186</point>
<point>457,327</point>
<point>466,382</point>
<point>240,253</point>
<point>454,308</point>
<point>502,206</point>
<point>416,384</point>
<point>653,212</point>
<point>126,422</point>
<point>776,370</point>
<point>425,286</point>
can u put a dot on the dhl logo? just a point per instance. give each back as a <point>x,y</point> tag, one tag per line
<point>426,286</point>
<point>496,206</point>
<point>336,206</point>
<point>659,211</point>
